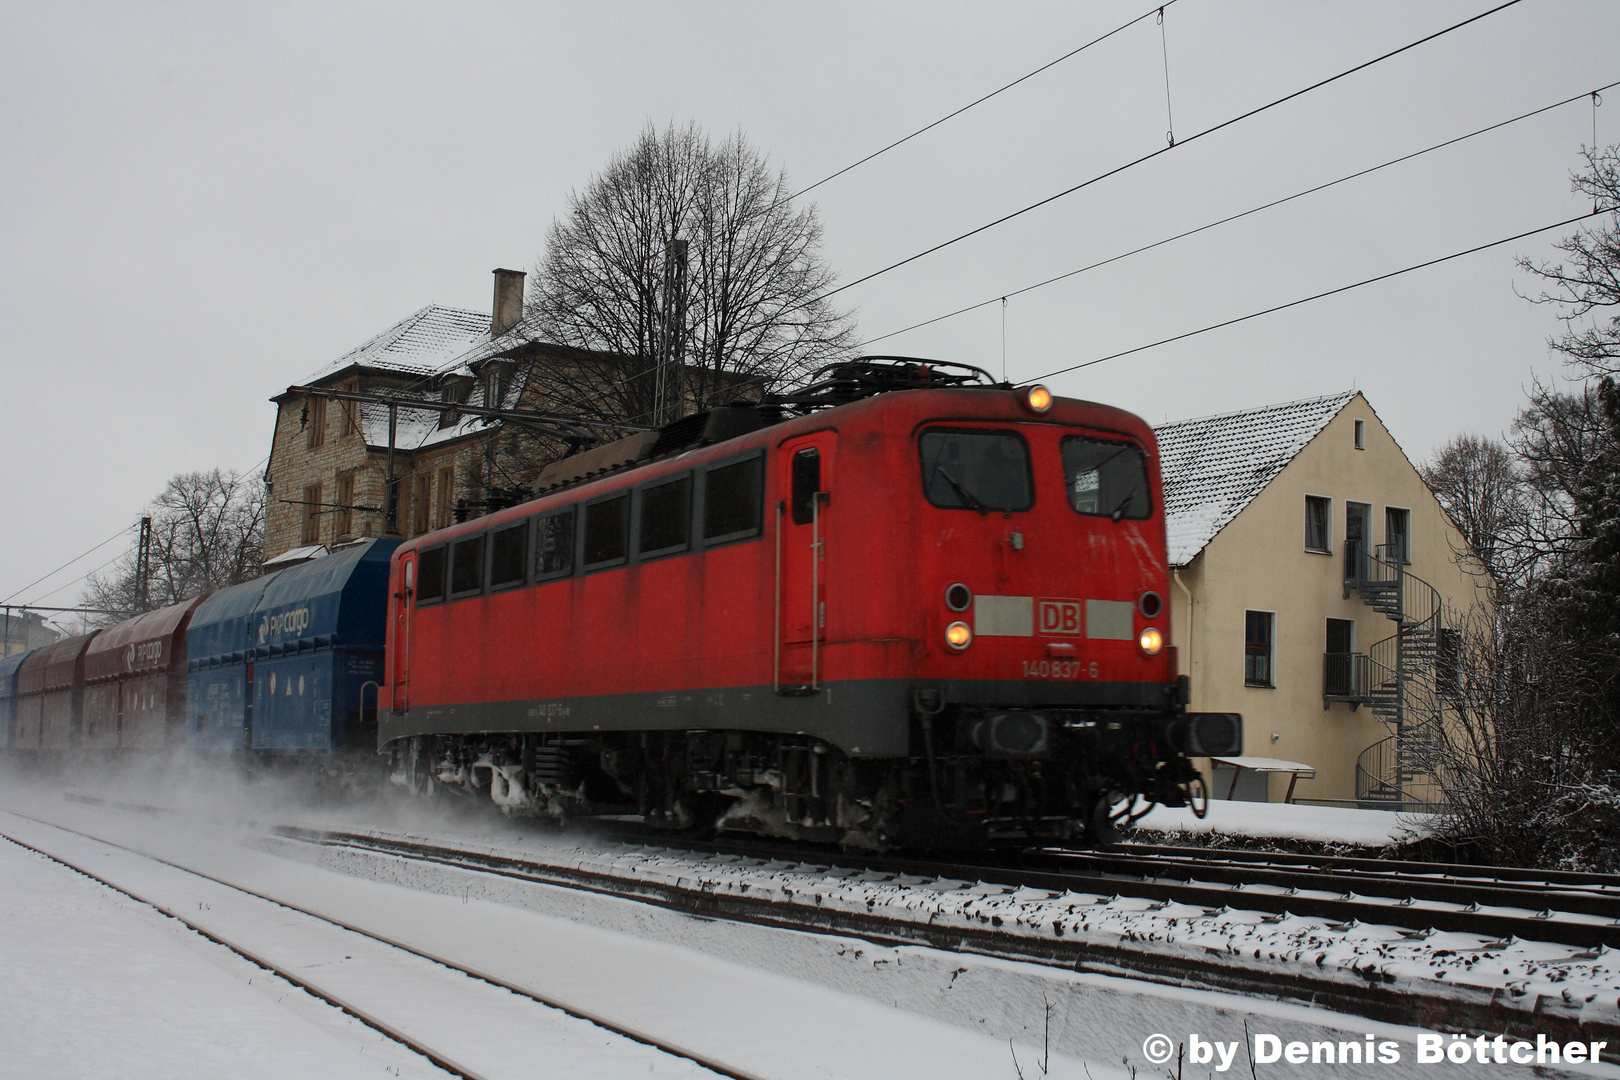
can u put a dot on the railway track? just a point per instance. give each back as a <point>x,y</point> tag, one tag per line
<point>467,984</point>
<point>1366,991</point>
<point>1557,907</point>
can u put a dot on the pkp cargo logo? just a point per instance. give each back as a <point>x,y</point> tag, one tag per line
<point>293,622</point>
<point>145,652</point>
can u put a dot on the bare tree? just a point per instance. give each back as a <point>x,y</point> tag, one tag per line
<point>1588,284</point>
<point>1555,438</point>
<point>1525,756</point>
<point>754,317</point>
<point>1478,483</point>
<point>207,533</point>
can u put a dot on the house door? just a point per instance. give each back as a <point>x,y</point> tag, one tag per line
<point>404,604</point>
<point>1340,644</point>
<point>1357,534</point>
<point>804,521</point>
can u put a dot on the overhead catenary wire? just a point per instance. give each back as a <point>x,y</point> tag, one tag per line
<point>1235,217</point>
<point>70,562</point>
<point>980,101</point>
<point>1156,153</point>
<point>1321,295</point>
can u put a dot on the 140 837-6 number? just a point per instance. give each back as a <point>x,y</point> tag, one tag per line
<point>1059,669</point>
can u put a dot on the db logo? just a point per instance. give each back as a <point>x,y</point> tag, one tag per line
<point>1060,616</point>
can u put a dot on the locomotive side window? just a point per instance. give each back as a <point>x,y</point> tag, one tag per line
<point>1105,478</point>
<point>666,517</point>
<point>467,565</point>
<point>806,482</point>
<point>975,470</point>
<point>607,531</point>
<point>732,500</point>
<point>554,545</point>
<point>430,576</point>
<point>508,555</point>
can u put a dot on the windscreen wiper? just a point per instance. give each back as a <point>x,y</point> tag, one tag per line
<point>1119,511</point>
<point>964,494</point>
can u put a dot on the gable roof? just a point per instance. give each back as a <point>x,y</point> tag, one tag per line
<point>419,344</point>
<point>1214,466</point>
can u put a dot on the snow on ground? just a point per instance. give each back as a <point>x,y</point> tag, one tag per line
<point>96,985</point>
<point>766,1023</point>
<point>785,1003</point>
<point>1325,824</point>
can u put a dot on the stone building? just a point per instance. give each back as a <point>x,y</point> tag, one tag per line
<point>330,458</point>
<point>1315,581</point>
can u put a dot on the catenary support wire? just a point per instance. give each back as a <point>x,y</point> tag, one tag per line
<point>1162,150</point>
<point>980,101</point>
<point>1169,117</point>
<point>1321,295</point>
<point>1233,217</point>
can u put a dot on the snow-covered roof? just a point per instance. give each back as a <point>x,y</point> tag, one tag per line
<point>419,344</point>
<point>418,428</point>
<point>1214,466</point>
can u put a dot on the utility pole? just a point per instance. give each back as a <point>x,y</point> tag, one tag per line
<point>143,565</point>
<point>391,494</point>
<point>670,403</point>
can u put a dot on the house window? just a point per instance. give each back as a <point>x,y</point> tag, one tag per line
<point>1258,648</point>
<point>1361,434</point>
<point>345,501</point>
<point>1318,524</point>
<point>312,514</point>
<point>315,426</point>
<point>447,497</point>
<point>1397,534</point>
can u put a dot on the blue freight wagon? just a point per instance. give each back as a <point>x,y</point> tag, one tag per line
<point>8,696</point>
<point>288,664</point>
<point>218,671</point>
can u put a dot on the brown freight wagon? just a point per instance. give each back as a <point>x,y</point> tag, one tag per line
<point>135,682</point>
<point>50,695</point>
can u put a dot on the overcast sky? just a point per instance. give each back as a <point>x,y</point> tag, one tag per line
<point>202,203</point>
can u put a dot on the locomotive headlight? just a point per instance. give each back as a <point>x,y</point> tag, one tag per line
<point>1037,398</point>
<point>958,635</point>
<point>1151,641</point>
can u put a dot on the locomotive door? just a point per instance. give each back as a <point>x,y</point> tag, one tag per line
<point>399,677</point>
<point>804,519</point>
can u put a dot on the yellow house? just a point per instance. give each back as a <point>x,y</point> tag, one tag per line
<point>1313,573</point>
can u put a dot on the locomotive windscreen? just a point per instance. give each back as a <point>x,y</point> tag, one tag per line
<point>1106,478</point>
<point>976,470</point>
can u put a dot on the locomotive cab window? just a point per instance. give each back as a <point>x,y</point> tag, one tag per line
<point>1106,478</point>
<point>554,545</point>
<point>508,555</point>
<point>976,470</point>
<point>430,575</point>
<point>607,532</point>
<point>732,500</point>
<point>467,566</point>
<point>666,517</point>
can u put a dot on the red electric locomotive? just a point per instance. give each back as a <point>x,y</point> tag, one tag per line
<point>905,607</point>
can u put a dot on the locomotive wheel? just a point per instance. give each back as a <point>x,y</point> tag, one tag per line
<point>1197,796</point>
<point>1102,826</point>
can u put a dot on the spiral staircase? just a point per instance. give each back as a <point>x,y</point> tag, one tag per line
<point>1397,678</point>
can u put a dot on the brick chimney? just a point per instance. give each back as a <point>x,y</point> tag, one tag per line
<point>508,308</point>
